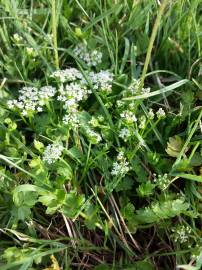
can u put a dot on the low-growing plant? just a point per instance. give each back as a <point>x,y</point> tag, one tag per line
<point>100,166</point>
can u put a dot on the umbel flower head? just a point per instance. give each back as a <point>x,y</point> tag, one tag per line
<point>121,166</point>
<point>91,58</point>
<point>52,153</point>
<point>181,233</point>
<point>31,99</point>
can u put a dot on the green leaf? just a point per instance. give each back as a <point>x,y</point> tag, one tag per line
<point>174,146</point>
<point>182,165</point>
<point>144,265</point>
<point>91,216</point>
<point>161,210</point>
<point>145,189</point>
<point>158,92</point>
<point>188,176</point>
<point>196,160</point>
<point>65,171</point>
<point>125,183</point>
<point>139,170</point>
<point>102,267</point>
<point>53,200</point>
<point>21,213</point>
<point>73,204</point>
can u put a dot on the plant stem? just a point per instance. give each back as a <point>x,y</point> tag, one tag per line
<point>151,41</point>
<point>54,31</point>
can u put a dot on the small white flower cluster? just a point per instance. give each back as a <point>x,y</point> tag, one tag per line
<point>181,233</point>
<point>134,89</point>
<point>74,88</point>
<point>93,136</point>
<point>72,94</point>
<point>52,153</point>
<point>121,166</point>
<point>151,114</point>
<point>124,134</point>
<point>30,51</point>
<point>32,99</point>
<point>96,121</point>
<point>2,178</point>
<point>67,75</point>
<point>92,58</point>
<point>162,181</point>
<point>128,116</point>
<point>47,92</point>
<point>71,119</point>
<point>142,122</point>
<point>146,90</point>
<point>17,38</point>
<point>101,80</point>
<point>160,113</point>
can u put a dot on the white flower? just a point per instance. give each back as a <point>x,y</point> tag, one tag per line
<point>121,166</point>
<point>101,81</point>
<point>100,118</point>
<point>39,109</point>
<point>133,88</point>
<point>181,233</point>
<point>128,116</point>
<point>142,121</point>
<point>72,94</point>
<point>47,92</point>
<point>120,103</point>
<point>120,156</point>
<point>17,38</point>
<point>124,134</point>
<point>146,90</point>
<point>52,153</point>
<point>94,122</point>
<point>90,58</point>
<point>151,114</point>
<point>77,91</point>
<point>71,120</point>
<point>160,113</point>
<point>29,50</point>
<point>10,104</point>
<point>162,181</point>
<point>67,75</point>
<point>31,99</point>
<point>93,136</point>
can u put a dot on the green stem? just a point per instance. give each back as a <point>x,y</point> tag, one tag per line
<point>151,41</point>
<point>151,128</point>
<point>54,31</point>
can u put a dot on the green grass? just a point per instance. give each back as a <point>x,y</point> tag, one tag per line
<point>78,212</point>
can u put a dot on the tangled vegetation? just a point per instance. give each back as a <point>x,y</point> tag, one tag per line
<point>100,138</point>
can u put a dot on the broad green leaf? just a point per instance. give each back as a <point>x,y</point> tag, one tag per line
<point>65,171</point>
<point>161,210</point>
<point>73,204</point>
<point>174,146</point>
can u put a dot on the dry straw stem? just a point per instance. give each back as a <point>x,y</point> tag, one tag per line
<point>54,31</point>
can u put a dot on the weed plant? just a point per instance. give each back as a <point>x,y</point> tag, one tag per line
<point>100,134</point>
